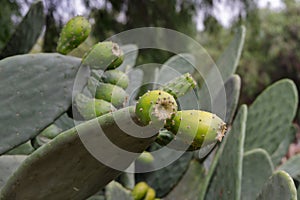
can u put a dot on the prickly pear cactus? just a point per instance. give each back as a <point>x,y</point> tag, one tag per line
<point>116,77</point>
<point>69,179</point>
<point>228,61</point>
<point>283,147</point>
<point>292,167</point>
<point>45,81</point>
<point>266,128</point>
<point>254,175</point>
<point>27,32</point>
<point>149,105</point>
<point>23,149</point>
<point>90,108</point>
<point>114,190</point>
<point>8,165</point>
<point>227,178</point>
<point>197,128</point>
<point>279,186</point>
<point>190,185</point>
<point>73,34</point>
<point>104,55</point>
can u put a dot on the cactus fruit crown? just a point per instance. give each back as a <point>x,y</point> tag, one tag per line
<point>155,105</point>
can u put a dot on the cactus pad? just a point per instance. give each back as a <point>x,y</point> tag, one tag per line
<point>257,168</point>
<point>114,191</point>
<point>41,83</point>
<point>190,185</point>
<point>271,115</point>
<point>227,178</point>
<point>292,167</point>
<point>8,165</point>
<point>232,89</point>
<point>27,32</point>
<point>73,34</point>
<point>284,145</point>
<point>279,186</point>
<point>68,180</point>
<point>228,61</point>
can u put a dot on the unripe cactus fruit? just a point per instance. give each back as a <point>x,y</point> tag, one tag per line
<point>111,93</point>
<point>197,128</point>
<point>146,158</point>
<point>155,105</point>
<point>73,34</point>
<point>150,195</point>
<point>104,56</point>
<point>116,77</point>
<point>139,191</point>
<point>91,108</point>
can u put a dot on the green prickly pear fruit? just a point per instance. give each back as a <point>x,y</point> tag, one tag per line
<point>73,34</point>
<point>111,93</point>
<point>139,191</point>
<point>116,77</point>
<point>146,158</point>
<point>197,128</point>
<point>91,108</point>
<point>150,195</point>
<point>155,106</point>
<point>180,85</point>
<point>104,56</point>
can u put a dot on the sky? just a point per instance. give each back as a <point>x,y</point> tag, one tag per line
<point>224,13</point>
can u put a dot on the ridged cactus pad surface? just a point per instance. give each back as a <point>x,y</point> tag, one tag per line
<point>270,115</point>
<point>65,166</point>
<point>227,178</point>
<point>257,168</point>
<point>35,90</point>
<point>292,167</point>
<point>27,32</point>
<point>279,186</point>
<point>8,165</point>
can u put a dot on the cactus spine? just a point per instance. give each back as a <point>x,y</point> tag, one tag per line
<point>73,34</point>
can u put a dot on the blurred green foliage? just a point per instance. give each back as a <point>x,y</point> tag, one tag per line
<point>9,11</point>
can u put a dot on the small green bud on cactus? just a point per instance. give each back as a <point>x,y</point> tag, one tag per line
<point>139,191</point>
<point>197,128</point>
<point>91,108</point>
<point>104,56</point>
<point>150,195</point>
<point>155,105</point>
<point>146,158</point>
<point>73,34</point>
<point>116,77</point>
<point>180,85</point>
<point>111,93</point>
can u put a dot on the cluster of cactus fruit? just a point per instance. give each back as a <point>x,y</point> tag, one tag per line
<point>38,136</point>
